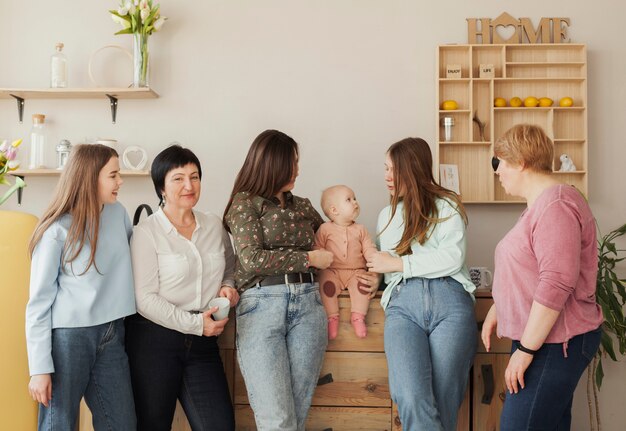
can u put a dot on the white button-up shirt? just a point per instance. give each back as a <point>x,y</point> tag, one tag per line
<point>174,275</point>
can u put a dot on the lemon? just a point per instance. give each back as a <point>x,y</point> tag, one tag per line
<point>499,102</point>
<point>449,105</point>
<point>531,102</point>
<point>515,102</point>
<point>545,102</point>
<point>566,102</point>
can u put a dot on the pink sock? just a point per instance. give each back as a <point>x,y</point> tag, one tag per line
<point>358,324</point>
<point>333,327</point>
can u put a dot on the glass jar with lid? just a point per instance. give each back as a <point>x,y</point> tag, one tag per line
<point>38,142</point>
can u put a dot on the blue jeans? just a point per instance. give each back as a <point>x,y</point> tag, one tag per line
<point>281,339</point>
<point>430,342</point>
<point>167,365</point>
<point>545,403</point>
<point>90,362</point>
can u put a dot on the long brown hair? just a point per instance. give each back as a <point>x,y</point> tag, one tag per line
<point>77,194</point>
<point>413,176</point>
<point>269,166</point>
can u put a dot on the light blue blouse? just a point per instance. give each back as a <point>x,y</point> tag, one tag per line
<point>61,298</point>
<point>442,255</point>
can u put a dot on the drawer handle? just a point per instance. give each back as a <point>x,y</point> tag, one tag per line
<point>328,429</point>
<point>488,381</point>
<point>371,387</point>
<point>324,380</point>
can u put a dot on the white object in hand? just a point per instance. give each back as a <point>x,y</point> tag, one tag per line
<point>223,305</point>
<point>566,164</point>
<point>142,162</point>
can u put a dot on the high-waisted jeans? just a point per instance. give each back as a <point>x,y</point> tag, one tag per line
<point>430,342</point>
<point>90,362</point>
<point>545,403</point>
<point>281,339</point>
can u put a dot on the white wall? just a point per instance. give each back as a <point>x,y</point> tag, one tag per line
<point>345,78</point>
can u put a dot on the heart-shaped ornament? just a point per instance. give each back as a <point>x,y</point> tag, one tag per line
<point>135,158</point>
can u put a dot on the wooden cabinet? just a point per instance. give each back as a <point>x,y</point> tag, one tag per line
<point>487,375</point>
<point>554,71</point>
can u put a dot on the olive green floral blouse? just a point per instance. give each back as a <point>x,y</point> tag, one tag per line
<point>270,240</point>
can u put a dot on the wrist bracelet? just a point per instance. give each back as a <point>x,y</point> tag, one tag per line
<point>521,347</point>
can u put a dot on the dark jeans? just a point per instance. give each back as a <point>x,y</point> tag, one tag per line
<point>546,401</point>
<point>166,365</point>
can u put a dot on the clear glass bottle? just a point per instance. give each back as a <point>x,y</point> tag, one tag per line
<point>37,142</point>
<point>58,68</point>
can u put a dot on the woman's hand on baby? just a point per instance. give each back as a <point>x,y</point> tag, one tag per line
<point>368,281</point>
<point>382,262</point>
<point>210,327</point>
<point>320,259</point>
<point>230,293</point>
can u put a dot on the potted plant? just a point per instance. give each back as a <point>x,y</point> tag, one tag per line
<point>8,163</point>
<point>611,296</point>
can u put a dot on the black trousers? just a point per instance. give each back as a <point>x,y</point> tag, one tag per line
<point>166,365</point>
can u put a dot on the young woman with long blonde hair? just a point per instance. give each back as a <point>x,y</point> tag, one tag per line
<point>81,288</point>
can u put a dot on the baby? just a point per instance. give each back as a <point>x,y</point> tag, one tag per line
<point>351,246</point>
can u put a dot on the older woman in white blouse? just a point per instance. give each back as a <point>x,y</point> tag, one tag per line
<point>182,259</point>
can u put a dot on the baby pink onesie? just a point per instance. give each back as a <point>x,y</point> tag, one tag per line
<point>350,246</point>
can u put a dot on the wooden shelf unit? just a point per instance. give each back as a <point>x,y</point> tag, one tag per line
<point>540,70</point>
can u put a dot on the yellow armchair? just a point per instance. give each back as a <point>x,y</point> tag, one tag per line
<point>17,410</point>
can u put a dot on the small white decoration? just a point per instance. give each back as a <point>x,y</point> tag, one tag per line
<point>141,164</point>
<point>566,164</point>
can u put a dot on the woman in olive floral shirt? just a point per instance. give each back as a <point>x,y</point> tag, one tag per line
<point>281,324</point>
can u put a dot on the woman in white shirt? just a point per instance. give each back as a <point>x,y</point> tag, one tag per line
<point>182,258</point>
<point>81,288</point>
<point>430,330</point>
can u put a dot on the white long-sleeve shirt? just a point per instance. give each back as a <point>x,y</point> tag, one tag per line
<point>442,255</point>
<point>174,275</point>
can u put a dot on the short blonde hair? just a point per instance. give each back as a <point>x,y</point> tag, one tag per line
<point>526,145</point>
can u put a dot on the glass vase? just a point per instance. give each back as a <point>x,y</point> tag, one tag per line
<point>141,61</point>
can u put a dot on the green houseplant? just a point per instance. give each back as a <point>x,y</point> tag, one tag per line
<point>611,295</point>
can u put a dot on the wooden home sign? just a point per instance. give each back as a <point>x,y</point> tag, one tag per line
<point>507,30</point>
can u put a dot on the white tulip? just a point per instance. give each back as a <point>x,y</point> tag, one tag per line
<point>3,146</point>
<point>14,164</point>
<point>159,23</point>
<point>122,10</point>
<point>143,4</point>
<point>120,21</point>
<point>144,14</point>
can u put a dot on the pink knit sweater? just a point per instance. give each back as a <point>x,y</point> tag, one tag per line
<point>550,256</point>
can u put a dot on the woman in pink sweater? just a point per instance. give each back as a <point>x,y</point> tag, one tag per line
<point>544,286</point>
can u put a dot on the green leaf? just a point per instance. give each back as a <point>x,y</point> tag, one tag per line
<point>125,31</point>
<point>607,345</point>
<point>599,373</point>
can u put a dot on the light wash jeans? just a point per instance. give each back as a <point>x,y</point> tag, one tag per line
<point>90,362</point>
<point>281,339</point>
<point>430,342</point>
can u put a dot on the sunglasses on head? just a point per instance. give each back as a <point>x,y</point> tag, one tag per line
<point>495,162</point>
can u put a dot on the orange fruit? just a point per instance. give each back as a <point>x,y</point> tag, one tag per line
<point>531,102</point>
<point>515,102</point>
<point>499,102</point>
<point>545,102</point>
<point>566,102</point>
<point>449,105</point>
